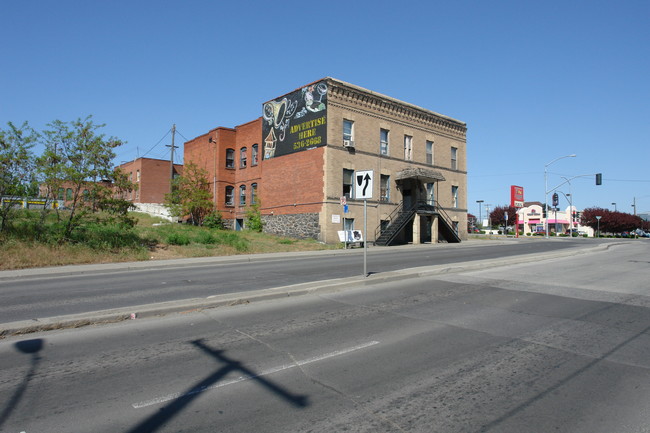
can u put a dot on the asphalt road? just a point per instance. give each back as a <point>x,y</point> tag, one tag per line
<point>42,293</point>
<point>558,345</point>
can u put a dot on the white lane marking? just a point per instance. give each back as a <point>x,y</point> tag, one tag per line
<point>176,395</point>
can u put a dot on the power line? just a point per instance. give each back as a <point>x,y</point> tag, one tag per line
<point>152,148</point>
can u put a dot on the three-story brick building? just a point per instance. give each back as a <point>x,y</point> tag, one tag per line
<point>299,163</point>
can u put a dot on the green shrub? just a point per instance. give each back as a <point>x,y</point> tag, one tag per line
<point>214,220</point>
<point>176,238</point>
<point>206,238</point>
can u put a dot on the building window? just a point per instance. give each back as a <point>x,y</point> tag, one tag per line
<point>230,196</point>
<point>408,147</point>
<point>454,160</point>
<point>383,141</point>
<point>242,157</point>
<point>230,158</point>
<point>431,198</point>
<point>454,196</point>
<point>137,176</point>
<point>254,153</point>
<point>348,176</point>
<point>68,194</point>
<point>130,176</point>
<point>60,194</point>
<point>348,131</point>
<point>348,223</point>
<point>429,149</point>
<point>384,188</point>
<point>253,192</point>
<point>242,195</point>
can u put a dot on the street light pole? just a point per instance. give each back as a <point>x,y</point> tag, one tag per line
<point>598,225</point>
<point>614,204</point>
<point>479,212</point>
<point>546,190</point>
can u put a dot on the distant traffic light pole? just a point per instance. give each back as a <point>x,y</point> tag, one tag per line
<point>546,191</point>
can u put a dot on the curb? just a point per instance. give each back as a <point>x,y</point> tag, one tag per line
<point>233,299</point>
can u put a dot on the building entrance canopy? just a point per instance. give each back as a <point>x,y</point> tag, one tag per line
<point>422,174</point>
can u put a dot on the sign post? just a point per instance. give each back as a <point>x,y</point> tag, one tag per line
<point>363,189</point>
<point>516,201</point>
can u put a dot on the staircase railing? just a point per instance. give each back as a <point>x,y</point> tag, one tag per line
<point>390,218</point>
<point>419,205</point>
<point>448,221</point>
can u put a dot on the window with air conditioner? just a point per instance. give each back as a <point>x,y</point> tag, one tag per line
<point>348,133</point>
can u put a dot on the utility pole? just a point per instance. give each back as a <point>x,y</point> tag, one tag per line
<point>171,165</point>
<point>634,204</point>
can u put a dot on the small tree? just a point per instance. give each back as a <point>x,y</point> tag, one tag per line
<point>254,217</point>
<point>190,195</point>
<point>16,166</point>
<point>79,158</point>
<point>498,215</point>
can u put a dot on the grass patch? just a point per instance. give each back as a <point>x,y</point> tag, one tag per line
<point>33,244</point>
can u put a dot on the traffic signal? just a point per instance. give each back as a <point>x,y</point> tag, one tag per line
<point>556,199</point>
<point>599,178</point>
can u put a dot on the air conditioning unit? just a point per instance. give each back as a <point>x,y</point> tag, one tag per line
<point>348,143</point>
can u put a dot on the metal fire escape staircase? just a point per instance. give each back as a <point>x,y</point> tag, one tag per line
<point>401,217</point>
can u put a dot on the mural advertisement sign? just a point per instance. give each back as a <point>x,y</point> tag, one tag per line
<point>295,122</point>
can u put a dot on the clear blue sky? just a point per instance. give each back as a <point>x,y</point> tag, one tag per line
<point>533,80</point>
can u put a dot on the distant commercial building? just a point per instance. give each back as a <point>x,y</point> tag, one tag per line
<point>303,162</point>
<point>532,220</point>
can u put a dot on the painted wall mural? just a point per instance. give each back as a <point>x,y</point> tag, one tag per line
<point>295,122</point>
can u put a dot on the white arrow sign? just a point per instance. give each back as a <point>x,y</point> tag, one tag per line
<point>363,184</point>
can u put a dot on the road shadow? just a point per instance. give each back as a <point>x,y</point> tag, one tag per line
<point>169,411</point>
<point>28,347</point>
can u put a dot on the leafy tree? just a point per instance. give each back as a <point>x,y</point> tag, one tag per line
<point>190,195</point>
<point>612,222</point>
<point>16,166</point>
<point>498,215</point>
<point>79,158</point>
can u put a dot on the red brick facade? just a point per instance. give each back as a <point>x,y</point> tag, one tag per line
<point>151,177</point>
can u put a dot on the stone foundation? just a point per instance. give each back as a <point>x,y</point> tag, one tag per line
<point>301,226</point>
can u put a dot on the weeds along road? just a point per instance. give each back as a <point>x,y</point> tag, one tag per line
<point>557,345</point>
<point>42,293</point>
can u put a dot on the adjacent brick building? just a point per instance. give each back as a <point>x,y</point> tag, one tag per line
<point>300,161</point>
<point>152,177</point>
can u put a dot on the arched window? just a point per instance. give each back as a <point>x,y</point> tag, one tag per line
<point>230,158</point>
<point>242,157</point>
<point>230,196</point>
<point>253,192</point>
<point>254,154</point>
<point>242,195</point>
